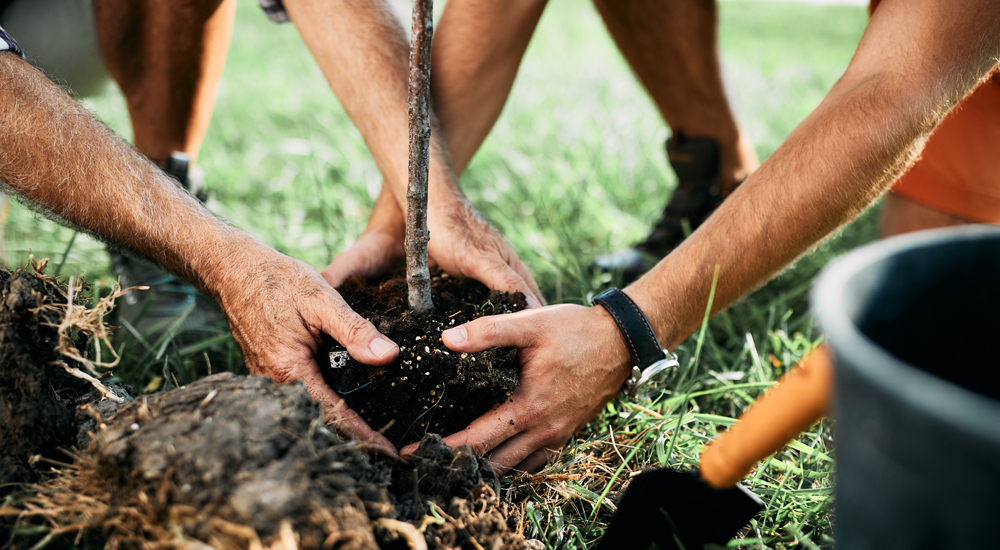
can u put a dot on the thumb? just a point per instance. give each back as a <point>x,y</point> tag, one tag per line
<point>508,330</point>
<point>363,341</point>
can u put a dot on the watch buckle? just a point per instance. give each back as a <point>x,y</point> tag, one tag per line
<point>641,378</point>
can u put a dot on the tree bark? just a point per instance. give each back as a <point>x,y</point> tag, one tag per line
<point>418,276</point>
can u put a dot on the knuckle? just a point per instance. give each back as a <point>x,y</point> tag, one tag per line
<point>356,329</point>
<point>479,448</point>
<point>493,329</point>
<point>551,433</point>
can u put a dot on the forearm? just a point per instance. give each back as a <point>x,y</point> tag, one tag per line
<point>363,52</point>
<point>56,155</point>
<point>478,47</point>
<point>839,160</point>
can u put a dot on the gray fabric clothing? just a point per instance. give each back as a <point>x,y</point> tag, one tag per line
<point>60,37</point>
<point>275,10</point>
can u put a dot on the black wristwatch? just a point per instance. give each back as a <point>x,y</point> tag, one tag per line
<point>648,357</point>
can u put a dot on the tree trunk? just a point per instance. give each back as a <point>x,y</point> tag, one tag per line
<point>418,276</point>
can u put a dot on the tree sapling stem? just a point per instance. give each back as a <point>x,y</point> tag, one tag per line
<point>418,277</point>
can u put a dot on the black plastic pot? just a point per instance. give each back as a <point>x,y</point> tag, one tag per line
<point>914,323</point>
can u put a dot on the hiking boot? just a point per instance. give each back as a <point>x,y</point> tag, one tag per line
<point>697,163</point>
<point>155,311</point>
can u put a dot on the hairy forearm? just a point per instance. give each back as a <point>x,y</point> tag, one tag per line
<point>839,160</point>
<point>478,47</point>
<point>363,52</point>
<point>59,157</point>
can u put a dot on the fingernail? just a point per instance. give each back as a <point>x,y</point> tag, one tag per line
<point>456,335</point>
<point>380,347</point>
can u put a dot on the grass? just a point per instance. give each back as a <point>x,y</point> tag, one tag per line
<point>574,167</point>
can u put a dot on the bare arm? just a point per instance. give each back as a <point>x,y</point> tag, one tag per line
<point>917,58</point>
<point>914,62</point>
<point>477,51</point>
<point>363,52</point>
<point>56,155</point>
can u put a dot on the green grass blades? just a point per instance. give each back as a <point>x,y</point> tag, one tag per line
<point>575,167</point>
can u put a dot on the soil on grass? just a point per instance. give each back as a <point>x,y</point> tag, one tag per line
<point>228,461</point>
<point>40,402</point>
<point>429,389</point>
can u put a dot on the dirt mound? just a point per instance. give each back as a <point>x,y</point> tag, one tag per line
<point>428,389</point>
<point>233,462</point>
<point>240,462</point>
<point>40,401</point>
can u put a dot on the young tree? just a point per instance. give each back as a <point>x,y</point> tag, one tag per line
<point>418,277</point>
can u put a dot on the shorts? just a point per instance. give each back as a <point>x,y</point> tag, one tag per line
<point>958,171</point>
<point>275,10</point>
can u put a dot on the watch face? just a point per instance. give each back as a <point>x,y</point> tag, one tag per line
<point>657,375</point>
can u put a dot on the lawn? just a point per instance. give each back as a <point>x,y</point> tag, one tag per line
<point>574,167</point>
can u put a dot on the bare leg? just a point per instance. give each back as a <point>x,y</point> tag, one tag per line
<point>902,215</point>
<point>671,45</point>
<point>167,57</point>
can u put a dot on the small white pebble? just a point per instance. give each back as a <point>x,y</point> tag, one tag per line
<point>134,427</point>
<point>446,353</point>
<point>427,349</point>
<point>464,355</point>
<point>419,358</point>
<point>417,338</point>
<point>473,358</point>
<point>428,373</point>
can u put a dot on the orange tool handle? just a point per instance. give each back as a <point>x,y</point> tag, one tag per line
<point>800,398</point>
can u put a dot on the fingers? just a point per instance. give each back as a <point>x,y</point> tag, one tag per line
<point>337,413</point>
<point>482,435</point>
<point>362,340</point>
<point>524,452</point>
<point>534,462</point>
<point>342,267</point>
<point>512,330</point>
<point>371,255</point>
<point>493,272</point>
<point>533,290</point>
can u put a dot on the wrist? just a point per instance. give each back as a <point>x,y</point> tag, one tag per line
<point>615,350</point>
<point>648,358</point>
<point>227,266</point>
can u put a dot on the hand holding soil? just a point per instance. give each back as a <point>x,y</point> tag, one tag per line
<point>573,361</point>
<point>278,310</point>
<point>378,250</point>
<point>463,244</point>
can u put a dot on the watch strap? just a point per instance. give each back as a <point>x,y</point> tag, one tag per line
<point>639,337</point>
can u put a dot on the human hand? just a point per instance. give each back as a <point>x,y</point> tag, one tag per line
<point>465,245</point>
<point>378,250</point>
<point>278,309</point>
<point>573,361</point>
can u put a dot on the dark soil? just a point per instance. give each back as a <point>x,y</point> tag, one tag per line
<point>233,462</point>
<point>40,403</point>
<point>429,389</point>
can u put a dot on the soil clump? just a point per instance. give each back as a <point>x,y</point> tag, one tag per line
<point>240,462</point>
<point>227,461</point>
<point>42,406</point>
<point>429,389</point>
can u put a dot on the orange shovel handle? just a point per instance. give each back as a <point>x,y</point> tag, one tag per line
<point>800,398</point>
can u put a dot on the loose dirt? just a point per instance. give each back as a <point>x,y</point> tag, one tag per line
<point>429,389</point>
<point>228,461</point>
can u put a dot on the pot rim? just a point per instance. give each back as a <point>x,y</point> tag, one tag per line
<point>955,405</point>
